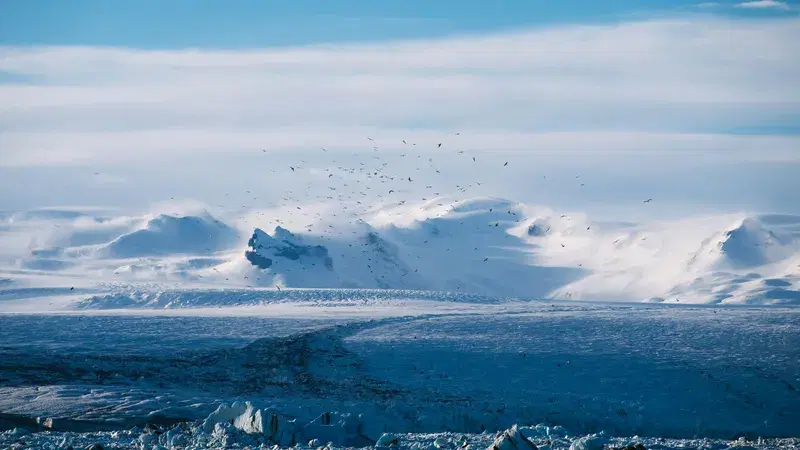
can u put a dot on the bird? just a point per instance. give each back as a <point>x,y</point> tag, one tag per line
<point>505,164</point>
<point>291,168</point>
<point>440,145</point>
<point>648,200</point>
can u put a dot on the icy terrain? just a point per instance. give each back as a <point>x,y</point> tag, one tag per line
<point>400,225</point>
<point>438,324</point>
<point>502,249</point>
<point>411,366</point>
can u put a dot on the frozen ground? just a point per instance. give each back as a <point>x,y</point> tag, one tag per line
<point>405,366</point>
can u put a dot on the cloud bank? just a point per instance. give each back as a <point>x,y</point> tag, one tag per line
<point>658,86</point>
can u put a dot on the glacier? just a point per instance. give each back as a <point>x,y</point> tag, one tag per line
<point>441,324</point>
<point>405,367</point>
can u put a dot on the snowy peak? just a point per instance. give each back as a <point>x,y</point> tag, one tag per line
<point>166,234</point>
<point>263,250</point>
<point>750,243</point>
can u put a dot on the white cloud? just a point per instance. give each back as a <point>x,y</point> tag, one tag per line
<point>765,4</point>
<point>638,86</point>
<point>123,147</point>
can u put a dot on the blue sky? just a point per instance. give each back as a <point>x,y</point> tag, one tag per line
<point>696,103</point>
<point>257,23</point>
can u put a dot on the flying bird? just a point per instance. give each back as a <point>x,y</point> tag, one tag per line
<point>505,164</point>
<point>648,200</point>
<point>440,145</point>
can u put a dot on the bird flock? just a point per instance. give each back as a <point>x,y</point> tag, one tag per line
<point>350,185</point>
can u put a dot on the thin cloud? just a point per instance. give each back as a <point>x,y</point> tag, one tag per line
<point>765,4</point>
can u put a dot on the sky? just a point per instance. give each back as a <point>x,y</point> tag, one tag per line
<point>156,24</point>
<point>130,103</point>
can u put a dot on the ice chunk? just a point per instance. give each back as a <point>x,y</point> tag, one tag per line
<point>387,440</point>
<point>590,442</point>
<point>244,417</point>
<point>148,440</point>
<point>512,439</point>
<point>175,437</point>
<point>339,429</point>
<point>441,443</point>
<point>223,413</point>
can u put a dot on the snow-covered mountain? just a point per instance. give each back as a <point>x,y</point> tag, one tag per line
<point>750,243</point>
<point>485,246</point>
<point>757,260</point>
<point>470,246</point>
<point>168,235</point>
